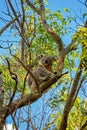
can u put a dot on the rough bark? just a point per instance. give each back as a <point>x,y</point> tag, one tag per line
<point>31,98</point>
<point>70,99</point>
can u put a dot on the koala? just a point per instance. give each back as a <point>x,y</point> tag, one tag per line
<point>43,72</point>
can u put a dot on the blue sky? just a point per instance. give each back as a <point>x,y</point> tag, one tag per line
<point>75,7</point>
<point>70,4</point>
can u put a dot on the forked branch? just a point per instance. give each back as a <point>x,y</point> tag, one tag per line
<point>41,12</point>
<point>32,97</point>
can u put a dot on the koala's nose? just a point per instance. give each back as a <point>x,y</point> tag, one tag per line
<point>46,61</point>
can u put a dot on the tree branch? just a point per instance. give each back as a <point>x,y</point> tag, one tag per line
<point>13,10</point>
<point>70,47</point>
<point>47,27</point>
<point>27,68</point>
<point>33,7</point>
<point>32,97</point>
<point>1,91</point>
<point>70,99</point>
<point>7,25</point>
<point>15,78</point>
<point>22,32</point>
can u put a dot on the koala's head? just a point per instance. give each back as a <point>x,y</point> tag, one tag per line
<point>47,61</point>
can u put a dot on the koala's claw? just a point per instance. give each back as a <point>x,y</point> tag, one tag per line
<point>46,78</point>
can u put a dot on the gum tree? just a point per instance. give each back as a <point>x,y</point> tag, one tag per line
<point>38,30</point>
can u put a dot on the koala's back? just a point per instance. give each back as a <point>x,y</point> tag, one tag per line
<point>39,73</point>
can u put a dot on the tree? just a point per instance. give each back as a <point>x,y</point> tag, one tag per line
<point>28,24</point>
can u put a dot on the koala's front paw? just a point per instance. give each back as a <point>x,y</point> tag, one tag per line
<point>47,78</point>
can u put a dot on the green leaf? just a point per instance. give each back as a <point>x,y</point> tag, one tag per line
<point>66,10</point>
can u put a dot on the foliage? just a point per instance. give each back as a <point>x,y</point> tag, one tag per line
<point>33,40</point>
<point>77,115</point>
<point>81,38</point>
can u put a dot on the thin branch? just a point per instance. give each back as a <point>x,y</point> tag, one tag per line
<point>80,85</point>
<point>7,25</point>
<point>33,127</point>
<point>33,7</point>
<point>47,27</point>
<point>70,47</point>
<point>1,91</point>
<point>24,83</point>
<point>23,20</point>
<point>84,3</point>
<point>22,35</point>
<point>15,124</point>
<point>15,78</point>
<point>13,10</point>
<point>22,32</point>
<point>28,71</point>
<point>6,47</point>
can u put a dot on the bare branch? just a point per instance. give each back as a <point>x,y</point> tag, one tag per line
<point>25,79</point>
<point>84,3</point>
<point>15,78</point>
<point>14,122</point>
<point>7,25</point>
<point>23,20</point>
<point>70,47</point>
<point>22,32</point>
<point>79,86</point>
<point>33,7</point>
<point>27,68</point>
<point>13,10</point>
<point>6,47</point>
<point>33,127</point>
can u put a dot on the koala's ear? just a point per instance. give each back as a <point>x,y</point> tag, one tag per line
<point>53,58</point>
<point>41,56</point>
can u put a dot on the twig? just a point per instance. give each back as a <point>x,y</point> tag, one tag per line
<point>13,10</point>
<point>15,124</point>
<point>24,83</point>
<point>15,78</point>
<point>47,27</point>
<point>28,71</point>
<point>7,25</point>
